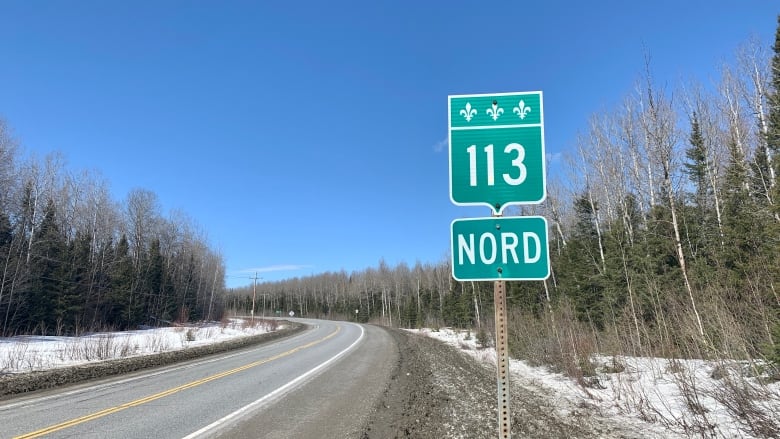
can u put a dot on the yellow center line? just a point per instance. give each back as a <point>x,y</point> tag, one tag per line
<point>156,396</point>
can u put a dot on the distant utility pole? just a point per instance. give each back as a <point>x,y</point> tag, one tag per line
<point>254,295</point>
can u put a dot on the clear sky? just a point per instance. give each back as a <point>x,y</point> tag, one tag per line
<point>311,136</point>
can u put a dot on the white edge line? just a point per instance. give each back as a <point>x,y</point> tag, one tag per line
<point>288,386</point>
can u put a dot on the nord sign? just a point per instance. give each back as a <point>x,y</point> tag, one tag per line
<point>500,248</point>
<point>496,149</point>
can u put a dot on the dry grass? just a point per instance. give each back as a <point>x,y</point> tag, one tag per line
<point>559,341</point>
<point>106,346</point>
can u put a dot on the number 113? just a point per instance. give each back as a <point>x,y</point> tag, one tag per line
<point>517,162</point>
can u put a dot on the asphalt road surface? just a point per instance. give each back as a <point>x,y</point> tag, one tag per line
<point>321,383</point>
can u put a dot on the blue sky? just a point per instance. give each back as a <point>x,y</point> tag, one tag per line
<point>311,136</point>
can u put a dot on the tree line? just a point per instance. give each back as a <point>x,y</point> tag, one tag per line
<point>72,259</point>
<point>664,238</point>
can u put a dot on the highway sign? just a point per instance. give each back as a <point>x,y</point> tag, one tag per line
<point>496,149</point>
<point>500,248</point>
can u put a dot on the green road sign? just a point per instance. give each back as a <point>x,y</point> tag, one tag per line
<point>497,149</point>
<point>500,248</point>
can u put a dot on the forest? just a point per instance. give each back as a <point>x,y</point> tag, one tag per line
<point>664,236</point>
<point>72,259</point>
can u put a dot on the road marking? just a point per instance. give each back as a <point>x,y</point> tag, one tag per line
<point>243,410</point>
<point>156,396</point>
<point>142,375</point>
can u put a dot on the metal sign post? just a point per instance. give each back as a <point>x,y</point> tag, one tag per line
<point>502,360</point>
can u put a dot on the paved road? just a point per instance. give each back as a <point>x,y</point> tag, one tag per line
<point>322,383</point>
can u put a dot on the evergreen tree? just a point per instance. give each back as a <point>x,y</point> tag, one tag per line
<point>153,282</point>
<point>773,134</point>
<point>696,166</point>
<point>581,278</point>
<point>25,220</point>
<point>744,226</point>
<point>760,180</point>
<point>773,128</point>
<point>46,272</point>
<point>75,283</point>
<point>6,239</point>
<point>465,309</point>
<point>6,234</point>
<point>409,318</point>
<point>100,287</point>
<point>184,293</point>
<point>736,199</point>
<point>123,307</point>
<point>700,228</point>
<point>773,350</point>
<point>773,140</point>
<point>528,296</point>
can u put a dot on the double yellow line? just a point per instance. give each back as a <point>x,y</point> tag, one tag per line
<point>156,396</point>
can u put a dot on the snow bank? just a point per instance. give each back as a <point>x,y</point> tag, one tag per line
<point>36,353</point>
<point>656,396</point>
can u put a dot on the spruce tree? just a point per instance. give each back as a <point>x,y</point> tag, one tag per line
<point>410,314</point>
<point>123,308</point>
<point>773,128</point>
<point>184,294</point>
<point>696,166</point>
<point>773,134</point>
<point>698,219</point>
<point>773,140</point>
<point>6,234</point>
<point>579,271</point>
<point>741,230</point>
<point>6,260</point>
<point>76,280</point>
<point>761,181</point>
<point>46,274</point>
<point>153,282</point>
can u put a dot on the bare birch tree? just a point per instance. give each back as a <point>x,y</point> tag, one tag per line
<point>658,124</point>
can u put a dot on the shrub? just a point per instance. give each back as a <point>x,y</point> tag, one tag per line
<point>614,366</point>
<point>483,338</point>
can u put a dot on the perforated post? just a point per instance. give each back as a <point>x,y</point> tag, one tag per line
<point>502,360</point>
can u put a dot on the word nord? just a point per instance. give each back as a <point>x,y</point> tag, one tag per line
<point>488,247</point>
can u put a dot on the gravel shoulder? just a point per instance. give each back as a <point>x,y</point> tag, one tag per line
<point>438,392</point>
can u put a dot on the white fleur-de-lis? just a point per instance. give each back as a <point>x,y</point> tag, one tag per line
<point>468,112</point>
<point>495,111</point>
<point>521,110</point>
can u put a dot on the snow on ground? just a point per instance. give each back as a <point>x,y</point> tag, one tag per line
<point>34,353</point>
<point>655,396</point>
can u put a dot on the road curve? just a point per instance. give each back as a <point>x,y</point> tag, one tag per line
<point>321,383</point>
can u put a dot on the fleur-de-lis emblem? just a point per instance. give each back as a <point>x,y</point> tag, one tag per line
<point>521,110</point>
<point>468,112</point>
<point>495,111</point>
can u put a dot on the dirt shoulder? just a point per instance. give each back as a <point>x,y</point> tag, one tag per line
<point>439,392</point>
